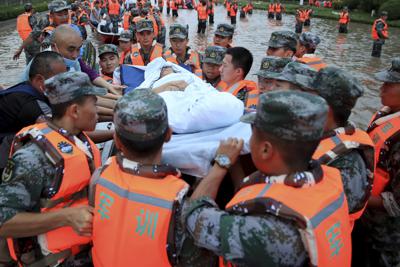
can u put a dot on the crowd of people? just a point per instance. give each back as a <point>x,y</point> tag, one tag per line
<point>315,190</point>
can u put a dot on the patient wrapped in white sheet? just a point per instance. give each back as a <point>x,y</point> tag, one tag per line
<point>199,106</point>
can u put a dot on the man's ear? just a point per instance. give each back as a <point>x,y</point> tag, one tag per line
<point>168,135</point>
<point>73,111</point>
<point>267,150</point>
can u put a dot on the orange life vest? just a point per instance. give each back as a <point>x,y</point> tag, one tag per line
<point>194,57</point>
<point>333,147</point>
<point>271,8</point>
<point>72,180</point>
<point>143,239</point>
<point>235,89</point>
<point>228,6</point>
<point>23,26</point>
<point>323,224</point>
<point>278,8</point>
<point>173,5</point>
<point>374,32</point>
<point>210,9</point>
<point>307,14</point>
<point>233,10</point>
<point>107,78</point>
<point>48,29</point>
<point>380,133</point>
<point>314,62</point>
<point>113,8</point>
<point>301,15</point>
<point>126,20</point>
<point>344,18</point>
<point>136,56</point>
<point>252,99</point>
<point>202,12</point>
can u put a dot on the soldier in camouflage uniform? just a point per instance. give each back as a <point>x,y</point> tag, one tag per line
<point>29,176</point>
<point>284,122</point>
<point>341,91</point>
<point>108,61</point>
<point>141,123</point>
<point>269,66</point>
<point>282,44</point>
<point>41,27</point>
<point>223,35</point>
<point>295,76</point>
<point>212,61</point>
<point>382,217</point>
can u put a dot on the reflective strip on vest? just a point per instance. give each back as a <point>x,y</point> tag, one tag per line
<point>379,135</point>
<point>157,202</point>
<point>147,207</point>
<point>323,225</point>
<point>75,175</point>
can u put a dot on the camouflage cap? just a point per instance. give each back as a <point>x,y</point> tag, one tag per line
<point>340,89</point>
<point>57,6</point>
<point>125,36</point>
<point>224,29</point>
<point>309,39</point>
<point>67,86</point>
<point>141,115</point>
<point>107,48</point>
<point>135,12</point>
<point>178,31</point>
<point>298,74</point>
<point>272,65</point>
<point>144,25</point>
<point>214,54</point>
<point>392,75</point>
<point>285,39</point>
<point>290,115</point>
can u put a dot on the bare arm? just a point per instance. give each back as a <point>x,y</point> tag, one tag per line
<point>26,224</point>
<point>209,185</point>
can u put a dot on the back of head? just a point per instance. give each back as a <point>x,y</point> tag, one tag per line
<point>43,64</point>
<point>28,7</point>
<point>241,58</point>
<point>340,89</point>
<point>141,121</point>
<point>292,121</point>
<point>310,41</point>
<point>68,88</point>
<point>64,32</point>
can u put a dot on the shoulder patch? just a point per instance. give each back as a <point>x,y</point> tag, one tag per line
<point>65,147</point>
<point>8,171</point>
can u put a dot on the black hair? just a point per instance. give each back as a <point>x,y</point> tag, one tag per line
<point>42,64</point>
<point>58,110</point>
<point>144,148</point>
<point>296,154</point>
<point>241,58</point>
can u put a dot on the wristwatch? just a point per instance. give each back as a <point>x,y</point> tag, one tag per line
<point>223,161</point>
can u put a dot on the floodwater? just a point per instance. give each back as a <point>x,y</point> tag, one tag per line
<point>349,51</point>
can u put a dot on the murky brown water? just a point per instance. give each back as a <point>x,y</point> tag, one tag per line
<point>351,51</point>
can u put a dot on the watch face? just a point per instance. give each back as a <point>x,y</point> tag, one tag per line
<point>223,160</point>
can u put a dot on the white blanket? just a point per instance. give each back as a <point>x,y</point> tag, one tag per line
<point>192,153</point>
<point>200,107</point>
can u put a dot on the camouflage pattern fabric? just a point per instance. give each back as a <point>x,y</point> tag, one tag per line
<point>65,87</point>
<point>141,115</point>
<point>290,115</point>
<point>214,55</point>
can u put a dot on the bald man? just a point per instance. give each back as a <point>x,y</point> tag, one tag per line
<point>66,41</point>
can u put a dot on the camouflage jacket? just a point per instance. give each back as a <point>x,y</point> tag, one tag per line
<point>244,240</point>
<point>383,225</point>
